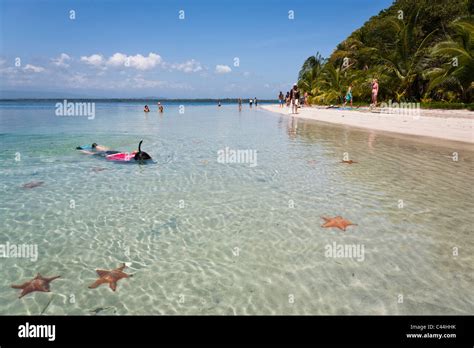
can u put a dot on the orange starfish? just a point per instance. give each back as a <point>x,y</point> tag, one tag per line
<point>32,184</point>
<point>337,221</point>
<point>348,162</point>
<point>38,283</point>
<point>111,277</point>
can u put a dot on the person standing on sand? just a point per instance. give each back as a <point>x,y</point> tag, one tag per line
<point>295,99</point>
<point>281,98</point>
<point>250,102</point>
<point>287,99</point>
<point>240,104</point>
<point>306,103</point>
<point>348,96</point>
<point>375,91</point>
<point>255,101</point>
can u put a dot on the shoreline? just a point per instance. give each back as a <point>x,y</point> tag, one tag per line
<point>448,125</point>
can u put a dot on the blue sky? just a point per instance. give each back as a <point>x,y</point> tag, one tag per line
<point>142,48</point>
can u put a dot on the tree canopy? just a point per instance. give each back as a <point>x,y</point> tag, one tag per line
<point>419,50</point>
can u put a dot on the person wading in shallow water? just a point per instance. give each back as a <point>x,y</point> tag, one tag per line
<point>295,99</point>
<point>281,99</point>
<point>240,104</point>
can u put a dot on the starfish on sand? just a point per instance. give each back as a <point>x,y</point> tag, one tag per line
<point>33,184</point>
<point>348,162</point>
<point>38,283</point>
<point>98,169</point>
<point>337,221</point>
<point>111,277</point>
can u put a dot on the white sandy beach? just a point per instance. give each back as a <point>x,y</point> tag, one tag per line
<point>452,125</point>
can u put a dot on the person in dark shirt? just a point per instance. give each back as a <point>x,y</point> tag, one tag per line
<point>295,99</point>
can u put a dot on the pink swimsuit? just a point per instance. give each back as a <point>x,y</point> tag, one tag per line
<point>375,88</point>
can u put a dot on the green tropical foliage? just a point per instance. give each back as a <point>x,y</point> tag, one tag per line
<point>419,50</point>
<point>456,75</point>
<point>310,73</point>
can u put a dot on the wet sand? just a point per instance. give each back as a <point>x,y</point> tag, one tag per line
<point>452,125</point>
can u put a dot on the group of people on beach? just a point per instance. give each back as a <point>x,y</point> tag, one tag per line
<point>292,99</point>
<point>160,108</point>
<point>373,101</point>
<point>251,102</point>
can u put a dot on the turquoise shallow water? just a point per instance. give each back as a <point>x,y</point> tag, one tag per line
<point>203,237</point>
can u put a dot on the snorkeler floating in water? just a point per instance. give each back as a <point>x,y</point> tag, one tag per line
<point>96,150</point>
<point>117,156</point>
<point>138,156</point>
<point>141,155</point>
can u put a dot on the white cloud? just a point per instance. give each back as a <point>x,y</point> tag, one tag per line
<point>61,61</point>
<point>118,59</point>
<point>187,67</point>
<point>33,68</point>
<point>95,59</point>
<point>138,61</point>
<point>223,69</point>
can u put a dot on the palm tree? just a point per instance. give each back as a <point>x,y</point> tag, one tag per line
<point>356,48</point>
<point>310,63</point>
<point>458,52</point>
<point>405,61</point>
<point>331,87</point>
<point>310,73</point>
